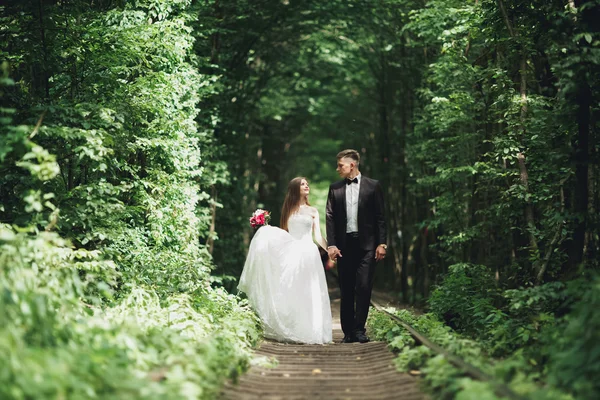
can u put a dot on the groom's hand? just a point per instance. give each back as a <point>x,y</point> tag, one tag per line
<point>334,252</point>
<point>380,253</point>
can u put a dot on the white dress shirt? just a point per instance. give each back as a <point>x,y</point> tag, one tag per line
<point>352,191</point>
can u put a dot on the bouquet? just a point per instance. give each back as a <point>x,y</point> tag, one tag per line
<point>260,218</point>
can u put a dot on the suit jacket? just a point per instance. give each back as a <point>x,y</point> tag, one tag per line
<point>371,220</point>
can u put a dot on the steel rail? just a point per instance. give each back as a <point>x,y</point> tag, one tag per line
<point>501,389</point>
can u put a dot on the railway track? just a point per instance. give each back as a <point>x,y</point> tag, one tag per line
<point>332,371</point>
<point>470,370</point>
<point>341,371</point>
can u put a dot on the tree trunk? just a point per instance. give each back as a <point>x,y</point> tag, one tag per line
<point>44,68</point>
<point>424,265</point>
<point>216,37</point>
<point>581,158</point>
<point>71,173</point>
<point>521,161</point>
<point>213,218</point>
<point>404,268</point>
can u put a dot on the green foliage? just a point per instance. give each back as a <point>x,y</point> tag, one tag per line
<point>465,298</point>
<point>540,332</point>
<point>443,380</point>
<point>572,349</point>
<point>57,343</point>
<point>494,134</point>
<point>138,137</point>
<point>523,319</point>
<point>105,288</point>
<point>469,301</point>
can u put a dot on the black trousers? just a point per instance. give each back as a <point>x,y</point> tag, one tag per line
<point>356,270</point>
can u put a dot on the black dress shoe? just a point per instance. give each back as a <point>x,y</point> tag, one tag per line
<point>362,338</point>
<point>349,339</point>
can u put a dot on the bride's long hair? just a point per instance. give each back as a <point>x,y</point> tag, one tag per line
<point>291,202</point>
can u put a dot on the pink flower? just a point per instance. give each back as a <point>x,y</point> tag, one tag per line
<point>259,218</point>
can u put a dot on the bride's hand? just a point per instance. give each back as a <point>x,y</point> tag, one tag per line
<point>334,252</point>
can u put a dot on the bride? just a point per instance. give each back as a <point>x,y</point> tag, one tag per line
<point>283,276</point>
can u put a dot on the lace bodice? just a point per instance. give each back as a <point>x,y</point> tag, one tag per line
<point>300,226</point>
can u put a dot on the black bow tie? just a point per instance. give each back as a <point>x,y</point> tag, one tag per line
<point>349,181</point>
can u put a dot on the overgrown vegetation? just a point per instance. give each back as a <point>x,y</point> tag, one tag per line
<point>480,120</point>
<point>532,374</point>
<point>139,135</point>
<point>508,140</point>
<point>105,284</point>
<point>478,117</point>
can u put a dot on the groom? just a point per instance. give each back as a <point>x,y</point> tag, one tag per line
<point>356,237</point>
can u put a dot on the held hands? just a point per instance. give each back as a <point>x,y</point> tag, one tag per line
<point>334,252</point>
<point>380,253</point>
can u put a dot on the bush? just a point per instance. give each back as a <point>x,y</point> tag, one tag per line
<point>112,299</point>
<point>574,348</point>
<point>526,313</point>
<point>440,378</point>
<point>465,298</point>
<point>56,343</point>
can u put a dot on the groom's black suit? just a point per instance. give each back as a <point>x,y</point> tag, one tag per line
<point>356,267</point>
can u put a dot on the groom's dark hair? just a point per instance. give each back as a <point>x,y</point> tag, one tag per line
<point>350,153</point>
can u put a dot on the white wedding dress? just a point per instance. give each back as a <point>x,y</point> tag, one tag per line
<point>284,280</point>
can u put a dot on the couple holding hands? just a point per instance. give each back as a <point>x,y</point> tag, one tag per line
<point>283,276</point>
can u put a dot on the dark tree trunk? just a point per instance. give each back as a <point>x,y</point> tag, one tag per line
<point>581,158</point>
<point>44,68</point>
